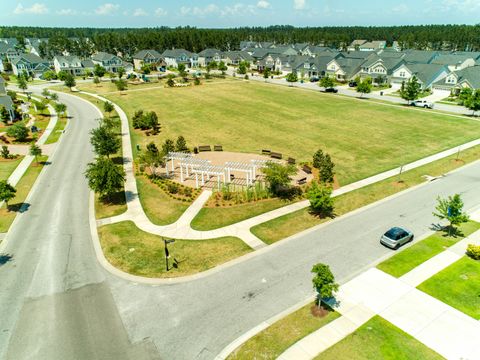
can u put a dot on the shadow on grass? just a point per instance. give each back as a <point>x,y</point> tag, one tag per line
<point>117,160</point>
<point>4,258</point>
<point>322,214</point>
<point>115,199</point>
<point>448,231</point>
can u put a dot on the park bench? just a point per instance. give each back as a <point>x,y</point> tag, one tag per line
<point>307,169</point>
<point>204,148</point>
<point>291,161</point>
<point>275,155</point>
<point>217,148</point>
<point>266,152</point>
<point>302,181</point>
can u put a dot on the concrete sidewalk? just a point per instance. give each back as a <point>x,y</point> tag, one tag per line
<point>439,326</point>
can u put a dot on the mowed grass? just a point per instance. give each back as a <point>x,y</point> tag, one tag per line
<point>23,188</point>
<point>363,138</point>
<point>57,130</point>
<point>288,225</point>
<point>7,167</point>
<point>458,286</point>
<point>139,253</point>
<point>274,340</point>
<point>420,252</point>
<point>378,339</point>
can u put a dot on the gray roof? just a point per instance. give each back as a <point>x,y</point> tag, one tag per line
<point>452,59</point>
<point>31,58</point>
<point>238,55</point>
<point>419,56</point>
<point>356,54</point>
<point>426,73</point>
<point>103,56</point>
<point>350,65</point>
<point>209,53</point>
<point>175,53</point>
<point>142,54</point>
<point>87,63</point>
<point>470,74</point>
<point>6,101</point>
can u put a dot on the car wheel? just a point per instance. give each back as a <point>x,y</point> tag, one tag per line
<point>425,107</point>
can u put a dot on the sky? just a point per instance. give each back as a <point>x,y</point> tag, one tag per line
<point>234,13</point>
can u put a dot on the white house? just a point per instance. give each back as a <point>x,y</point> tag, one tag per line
<point>70,64</point>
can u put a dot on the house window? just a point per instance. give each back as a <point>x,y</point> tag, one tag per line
<point>402,73</point>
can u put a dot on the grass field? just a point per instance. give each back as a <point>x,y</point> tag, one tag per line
<point>458,286</point>
<point>8,166</point>
<point>287,225</point>
<point>274,340</point>
<point>363,138</point>
<point>140,253</point>
<point>57,130</point>
<point>420,252</point>
<point>378,339</point>
<point>23,188</point>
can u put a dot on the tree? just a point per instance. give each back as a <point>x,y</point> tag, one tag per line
<point>292,77</point>
<point>323,282</point>
<point>318,159</point>
<point>151,158</point>
<point>451,209</point>
<point>121,71</point>
<point>473,101</point>
<point>197,81</point>
<point>54,96</point>
<point>222,67</point>
<point>243,67</point>
<point>96,80</point>
<point>181,144</point>
<point>41,106</point>
<point>18,131</point>
<point>170,82</point>
<point>22,83</point>
<point>364,87</point>
<point>70,81</point>
<point>326,82</point>
<point>108,107</point>
<point>62,75</point>
<point>7,192</point>
<point>4,114</point>
<point>99,71</point>
<point>320,197</point>
<point>326,172</point>
<point>49,75</point>
<point>104,141</point>
<point>46,93</point>
<point>151,122</point>
<point>266,73</point>
<point>104,177</point>
<point>35,151</point>
<point>121,85</point>
<point>146,69</point>
<point>277,176</point>
<point>212,65</point>
<point>464,95</point>
<point>60,108</point>
<point>410,90</point>
<point>181,70</point>
<point>5,153</point>
<point>168,146</point>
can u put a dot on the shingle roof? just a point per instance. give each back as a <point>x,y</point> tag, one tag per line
<point>143,53</point>
<point>6,101</point>
<point>31,58</point>
<point>452,59</point>
<point>209,52</point>
<point>426,73</point>
<point>419,56</point>
<point>470,74</point>
<point>174,53</point>
<point>102,56</point>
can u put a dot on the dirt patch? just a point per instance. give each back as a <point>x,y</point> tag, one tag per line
<point>319,311</point>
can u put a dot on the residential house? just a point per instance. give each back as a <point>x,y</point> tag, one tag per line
<point>455,62</point>
<point>88,66</point>
<point>236,57</point>
<point>70,64</point>
<point>355,45</point>
<point>420,56</point>
<point>373,46</point>
<point>427,74</point>
<point>5,100</point>
<point>207,56</point>
<point>8,52</point>
<point>32,64</point>
<point>457,80</point>
<point>303,49</point>
<point>175,57</point>
<point>380,65</point>
<point>33,45</point>
<point>109,61</point>
<point>148,57</point>
<point>343,68</point>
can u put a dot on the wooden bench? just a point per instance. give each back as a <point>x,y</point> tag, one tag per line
<point>275,155</point>
<point>204,148</point>
<point>217,148</point>
<point>307,169</point>
<point>266,152</point>
<point>302,181</point>
<point>291,161</point>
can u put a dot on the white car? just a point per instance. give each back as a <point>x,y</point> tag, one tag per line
<point>422,103</point>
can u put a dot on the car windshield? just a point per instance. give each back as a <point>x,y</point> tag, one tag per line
<point>395,233</point>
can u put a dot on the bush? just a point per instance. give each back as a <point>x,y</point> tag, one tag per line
<point>473,251</point>
<point>321,201</point>
<point>173,188</point>
<point>18,131</point>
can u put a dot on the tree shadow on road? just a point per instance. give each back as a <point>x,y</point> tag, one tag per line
<point>19,207</point>
<point>4,258</point>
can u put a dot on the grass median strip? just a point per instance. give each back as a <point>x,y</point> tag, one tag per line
<point>458,286</point>
<point>288,225</point>
<point>8,166</point>
<point>57,130</point>
<point>23,188</point>
<point>274,340</point>
<point>139,253</point>
<point>414,255</point>
<point>378,339</point>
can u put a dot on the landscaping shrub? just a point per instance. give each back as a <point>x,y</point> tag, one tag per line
<point>473,251</point>
<point>172,188</point>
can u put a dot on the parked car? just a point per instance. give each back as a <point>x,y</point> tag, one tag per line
<point>422,103</point>
<point>331,90</point>
<point>314,79</point>
<point>396,237</point>
<point>352,83</point>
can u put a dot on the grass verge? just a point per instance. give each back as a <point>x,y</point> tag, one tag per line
<point>458,286</point>
<point>139,253</point>
<point>278,337</point>
<point>57,130</point>
<point>23,188</point>
<point>288,225</point>
<point>378,339</point>
<point>8,166</point>
<point>420,252</point>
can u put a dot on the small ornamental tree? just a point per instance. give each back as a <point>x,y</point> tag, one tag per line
<point>410,90</point>
<point>266,73</point>
<point>168,146</point>
<point>170,82</point>
<point>121,85</point>
<point>323,282</point>
<point>222,67</point>
<point>5,153</point>
<point>464,95</point>
<point>321,201</point>
<point>54,96</point>
<point>62,75</point>
<point>35,151</point>
<point>96,80</point>
<point>326,82</point>
<point>318,159</point>
<point>104,141</point>
<point>70,81</point>
<point>108,107</point>
<point>121,71</point>
<point>472,102</point>
<point>46,93</point>
<point>243,67</point>
<point>292,77</point>
<point>104,177</point>
<point>364,87</point>
<point>41,106</point>
<point>99,71</point>
<point>7,192</point>
<point>22,83</point>
<point>181,144</point>
<point>4,115</point>
<point>277,176</point>
<point>151,158</point>
<point>60,108</point>
<point>451,209</point>
<point>151,122</point>
<point>182,70</point>
<point>326,173</point>
<point>18,131</point>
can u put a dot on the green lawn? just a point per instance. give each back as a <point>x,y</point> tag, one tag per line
<point>420,252</point>
<point>378,339</point>
<point>458,286</point>
<point>287,225</point>
<point>210,218</point>
<point>107,208</point>
<point>274,340</point>
<point>363,138</point>
<point>140,253</point>
<point>57,130</point>
<point>23,188</point>
<point>7,167</point>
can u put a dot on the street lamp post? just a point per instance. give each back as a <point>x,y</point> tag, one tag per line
<point>167,253</point>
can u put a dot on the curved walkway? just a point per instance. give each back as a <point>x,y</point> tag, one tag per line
<point>181,229</point>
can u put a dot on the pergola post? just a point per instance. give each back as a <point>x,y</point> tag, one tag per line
<point>196,180</point>
<point>173,165</point>
<point>166,168</point>
<point>181,172</point>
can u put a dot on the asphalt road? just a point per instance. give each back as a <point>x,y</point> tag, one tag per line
<point>57,303</point>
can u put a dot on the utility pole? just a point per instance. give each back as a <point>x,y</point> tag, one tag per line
<point>167,253</point>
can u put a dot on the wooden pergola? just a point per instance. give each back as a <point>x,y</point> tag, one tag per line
<point>191,163</point>
<point>245,167</point>
<point>209,171</point>
<point>172,156</point>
